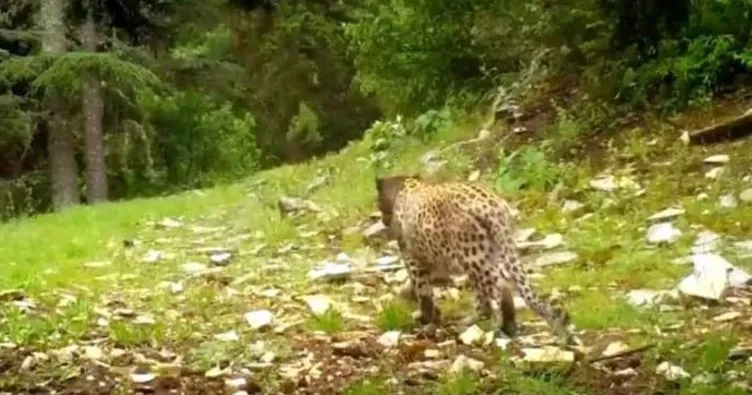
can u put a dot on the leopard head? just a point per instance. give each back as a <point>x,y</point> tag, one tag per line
<point>388,188</point>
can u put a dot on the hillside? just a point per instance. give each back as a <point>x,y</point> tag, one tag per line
<point>209,291</point>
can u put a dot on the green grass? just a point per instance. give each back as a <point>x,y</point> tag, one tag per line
<point>45,257</point>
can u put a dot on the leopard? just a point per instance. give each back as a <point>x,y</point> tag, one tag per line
<point>446,227</point>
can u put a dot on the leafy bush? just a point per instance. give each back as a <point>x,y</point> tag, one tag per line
<point>525,168</point>
<point>199,142</point>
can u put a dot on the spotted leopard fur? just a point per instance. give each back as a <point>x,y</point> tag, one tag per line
<point>450,227</point>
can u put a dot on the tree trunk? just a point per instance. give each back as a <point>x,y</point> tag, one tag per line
<point>60,140</point>
<point>96,168</point>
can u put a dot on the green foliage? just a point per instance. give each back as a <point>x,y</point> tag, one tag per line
<point>122,77</point>
<point>15,123</point>
<point>198,141</point>
<point>525,168</point>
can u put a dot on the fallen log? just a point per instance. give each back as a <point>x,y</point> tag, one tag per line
<point>732,129</point>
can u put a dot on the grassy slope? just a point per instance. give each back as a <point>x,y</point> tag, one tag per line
<point>45,257</point>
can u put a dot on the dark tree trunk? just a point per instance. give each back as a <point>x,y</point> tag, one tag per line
<point>61,141</point>
<point>96,167</point>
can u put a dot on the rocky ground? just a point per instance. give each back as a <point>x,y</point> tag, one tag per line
<point>296,295</point>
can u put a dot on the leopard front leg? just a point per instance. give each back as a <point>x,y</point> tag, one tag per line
<point>421,282</point>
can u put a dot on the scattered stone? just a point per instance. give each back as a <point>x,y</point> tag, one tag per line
<point>663,232</point>
<point>728,201</point>
<point>725,317</point>
<point>230,336</point>
<point>98,264</point>
<point>431,353</point>
<point>318,304</point>
<point>668,213</point>
<point>524,234</point>
<point>462,363</point>
<point>236,384</point>
<point>170,223</point>
<point>390,339</point>
<point>571,206</point>
<point>717,159</point>
<point>706,242</point>
<point>615,348</point>
<point>610,183</point>
<point>330,271</point>
<point>628,372</point>
<point>555,258</point>
<point>289,205</point>
<point>220,259</point>
<point>215,372</point>
<point>711,276</point>
<point>259,319</point>
<point>715,172</point>
<point>549,242</point>
<point>375,230</point>
<point>193,267</point>
<point>474,176</point>
<point>142,378</point>
<point>671,372</point>
<point>144,320</point>
<point>647,297</point>
<point>472,335</point>
<point>548,354</point>
<point>746,195</point>
<point>503,343</point>
<point>152,256</point>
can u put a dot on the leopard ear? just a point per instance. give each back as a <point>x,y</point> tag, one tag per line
<point>379,182</point>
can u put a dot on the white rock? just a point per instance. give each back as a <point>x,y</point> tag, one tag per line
<point>717,159</point>
<point>462,363</point>
<point>390,339</point>
<point>144,320</point>
<point>472,335</point>
<point>711,276</point>
<point>628,372</point>
<point>549,242</point>
<point>259,319</point>
<point>375,229</point>
<point>142,378</point>
<point>671,372</point>
<point>230,336</point>
<point>193,267</point>
<point>387,260</point>
<point>170,223</point>
<point>555,258</point>
<point>707,241</point>
<point>571,206</point>
<point>503,343</point>
<point>615,348</point>
<point>431,353</point>
<point>93,353</point>
<point>330,271</point>
<point>663,232</point>
<point>671,212</point>
<point>646,297</point>
<point>524,234</point>
<point>152,256</point>
<point>547,354</point>
<point>236,383</point>
<point>715,172</point>
<point>730,316</point>
<point>221,258</point>
<point>746,195</point>
<point>607,183</point>
<point>474,176</point>
<point>728,201</point>
<point>318,304</point>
